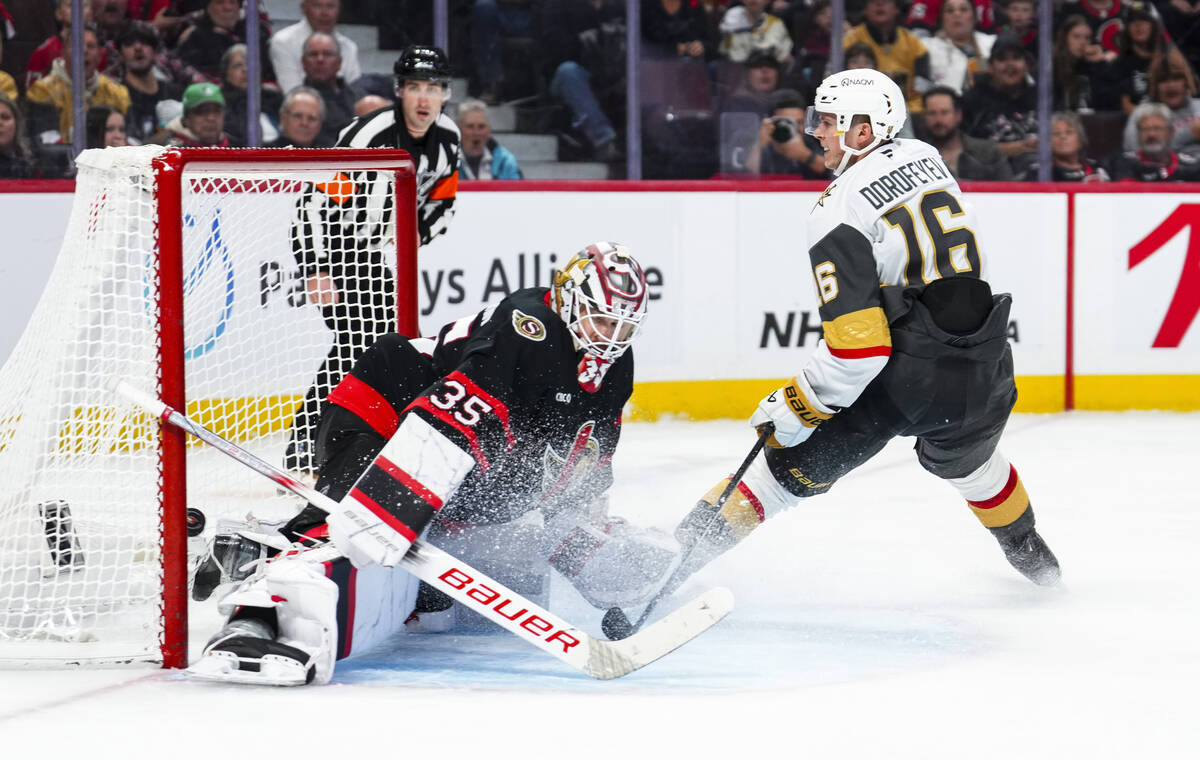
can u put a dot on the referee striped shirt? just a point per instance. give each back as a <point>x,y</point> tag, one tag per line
<point>436,156</point>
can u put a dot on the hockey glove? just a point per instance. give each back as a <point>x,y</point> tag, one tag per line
<point>795,412</point>
<point>365,538</point>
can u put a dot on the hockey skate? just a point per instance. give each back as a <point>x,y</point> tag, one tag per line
<point>245,651</point>
<point>1027,551</point>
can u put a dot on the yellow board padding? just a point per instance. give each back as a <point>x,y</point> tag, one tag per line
<point>1176,393</point>
<point>737,399</point>
<point>241,419</point>
<point>1041,394</point>
<point>104,430</point>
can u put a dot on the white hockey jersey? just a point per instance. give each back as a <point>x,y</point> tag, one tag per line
<point>895,217</point>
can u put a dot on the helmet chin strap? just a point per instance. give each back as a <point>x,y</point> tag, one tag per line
<point>848,152</point>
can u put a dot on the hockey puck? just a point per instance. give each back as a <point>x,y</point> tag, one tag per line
<point>195,522</point>
<point>616,625</point>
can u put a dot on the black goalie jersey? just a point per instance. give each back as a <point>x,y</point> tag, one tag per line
<point>481,424</point>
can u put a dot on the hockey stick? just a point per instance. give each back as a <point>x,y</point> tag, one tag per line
<point>478,592</point>
<point>616,625</point>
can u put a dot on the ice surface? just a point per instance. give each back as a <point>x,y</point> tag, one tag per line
<point>878,621</point>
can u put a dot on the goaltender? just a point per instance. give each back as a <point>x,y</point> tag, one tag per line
<point>496,438</point>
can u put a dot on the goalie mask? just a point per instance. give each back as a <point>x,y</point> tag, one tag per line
<point>858,92</point>
<point>601,295</point>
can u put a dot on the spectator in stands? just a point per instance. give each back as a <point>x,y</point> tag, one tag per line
<point>1182,21</point>
<point>371,103</point>
<point>968,158</point>
<point>812,33</point>
<point>1153,160</point>
<point>50,103</point>
<point>321,62</point>
<point>1002,106</point>
<point>924,18</point>
<point>8,85</point>
<point>233,89</point>
<point>16,159</point>
<point>51,50</point>
<point>584,42</point>
<point>1083,76</point>
<point>1106,19</point>
<point>211,31</point>
<point>482,157</point>
<point>110,19</point>
<point>168,68</point>
<point>287,45</point>
<point>1068,148</point>
<point>1022,24</point>
<point>782,147</point>
<point>901,55</point>
<point>300,120</point>
<point>105,128</point>
<point>860,55</point>
<point>1174,86</point>
<point>748,27</point>
<point>1141,43</point>
<point>491,22</point>
<point>166,16</point>
<point>957,52</point>
<point>203,119</point>
<point>146,82</point>
<point>761,79</point>
<point>674,28</point>
<point>714,11</point>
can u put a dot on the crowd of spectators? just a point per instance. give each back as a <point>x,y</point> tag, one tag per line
<point>725,82</point>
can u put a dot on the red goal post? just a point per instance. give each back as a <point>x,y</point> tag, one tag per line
<point>179,272</point>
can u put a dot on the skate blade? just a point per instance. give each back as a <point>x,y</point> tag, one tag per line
<point>226,667</point>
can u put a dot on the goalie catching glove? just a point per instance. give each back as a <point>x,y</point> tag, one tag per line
<point>794,411</point>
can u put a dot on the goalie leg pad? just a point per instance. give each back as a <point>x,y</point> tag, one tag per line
<point>305,602</point>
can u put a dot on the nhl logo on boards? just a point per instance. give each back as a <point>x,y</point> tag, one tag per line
<point>529,327</point>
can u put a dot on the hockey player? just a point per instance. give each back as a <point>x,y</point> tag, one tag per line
<point>914,341</point>
<point>495,437</point>
<point>338,243</point>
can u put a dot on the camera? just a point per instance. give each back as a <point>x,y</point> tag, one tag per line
<point>785,128</point>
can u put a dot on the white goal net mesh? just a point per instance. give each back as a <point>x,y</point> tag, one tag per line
<point>81,563</point>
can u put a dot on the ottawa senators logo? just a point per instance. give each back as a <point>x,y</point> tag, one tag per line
<point>527,326</point>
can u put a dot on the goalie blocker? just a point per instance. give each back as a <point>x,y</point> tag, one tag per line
<point>523,399</point>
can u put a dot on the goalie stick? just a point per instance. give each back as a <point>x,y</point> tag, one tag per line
<point>540,627</point>
<point>616,625</point>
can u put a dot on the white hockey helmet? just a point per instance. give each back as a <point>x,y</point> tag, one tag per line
<point>856,92</point>
<point>601,295</point>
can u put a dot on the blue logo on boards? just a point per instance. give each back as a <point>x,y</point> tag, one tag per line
<point>214,248</point>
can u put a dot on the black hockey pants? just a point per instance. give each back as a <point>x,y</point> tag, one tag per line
<point>953,392</point>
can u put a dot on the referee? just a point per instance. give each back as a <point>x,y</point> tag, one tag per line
<point>338,244</point>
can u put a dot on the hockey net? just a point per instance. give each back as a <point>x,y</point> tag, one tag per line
<point>177,274</point>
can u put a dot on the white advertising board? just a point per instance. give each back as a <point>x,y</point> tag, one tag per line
<point>731,281</point>
<point>34,225</point>
<point>1137,284</point>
